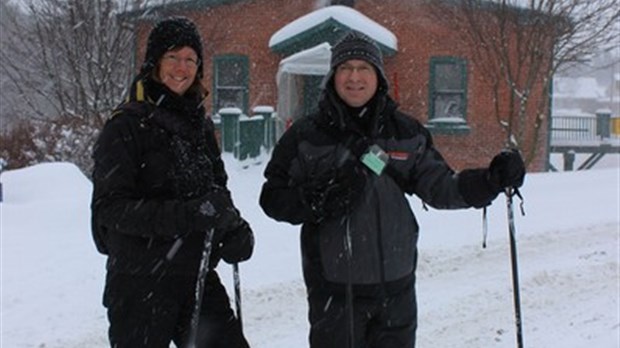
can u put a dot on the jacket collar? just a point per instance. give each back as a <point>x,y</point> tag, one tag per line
<point>146,89</point>
<point>366,121</point>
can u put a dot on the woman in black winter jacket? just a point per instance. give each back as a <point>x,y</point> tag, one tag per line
<point>159,195</point>
<point>343,173</point>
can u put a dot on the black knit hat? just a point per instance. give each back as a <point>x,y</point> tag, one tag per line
<point>168,34</point>
<point>355,45</point>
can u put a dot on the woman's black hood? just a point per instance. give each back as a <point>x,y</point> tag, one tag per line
<point>170,34</point>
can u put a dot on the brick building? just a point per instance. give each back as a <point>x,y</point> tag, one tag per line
<point>430,74</point>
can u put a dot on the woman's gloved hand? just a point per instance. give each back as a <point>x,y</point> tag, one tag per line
<point>215,210</point>
<point>237,245</point>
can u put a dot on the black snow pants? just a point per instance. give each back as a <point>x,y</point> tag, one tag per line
<point>149,312</point>
<point>379,322</point>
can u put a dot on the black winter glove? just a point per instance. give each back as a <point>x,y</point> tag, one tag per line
<point>479,187</point>
<point>506,170</point>
<point>215,210</point>
<point>336,195</point>
<point>238,244</point>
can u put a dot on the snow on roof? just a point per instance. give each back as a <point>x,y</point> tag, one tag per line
<point>343,14</point>
<point>579,87</point>
<point>574,112</point>
<point>263,109</point>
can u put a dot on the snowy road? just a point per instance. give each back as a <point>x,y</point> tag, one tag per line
<point>569,293</point>
<point>51,277</point>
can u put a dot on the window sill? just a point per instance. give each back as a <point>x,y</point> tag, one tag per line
<point>451,127</point>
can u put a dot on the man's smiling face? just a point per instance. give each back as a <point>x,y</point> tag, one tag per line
<point>356,82</point>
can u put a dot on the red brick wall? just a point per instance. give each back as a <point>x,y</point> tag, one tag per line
<point>420,38</point>
<point>245,28</point>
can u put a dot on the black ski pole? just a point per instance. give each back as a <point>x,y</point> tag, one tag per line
<point>237,281</point>
<point>349,291</point>
<point>200,286</point>
<point>515,269</point>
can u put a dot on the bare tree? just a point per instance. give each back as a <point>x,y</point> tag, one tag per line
<point>64,65</point>
<point>8,11</point>
<point>68,58</point>
<point>518,45</point>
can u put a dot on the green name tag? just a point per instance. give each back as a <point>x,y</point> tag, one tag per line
<point>375,159</point>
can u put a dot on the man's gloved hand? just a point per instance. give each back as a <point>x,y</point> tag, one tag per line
<point>335,195</point>
<point>238,244</point>
<point>480,186</point>
<point>506,170</point>
<point>215,210</point>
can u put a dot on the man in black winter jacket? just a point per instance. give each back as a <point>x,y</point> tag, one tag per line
<point>343,173</point>
<point>159,194</point>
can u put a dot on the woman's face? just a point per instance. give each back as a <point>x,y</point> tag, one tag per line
<point>178,68</point>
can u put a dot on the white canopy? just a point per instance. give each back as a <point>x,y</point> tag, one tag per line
<point>313,61</point>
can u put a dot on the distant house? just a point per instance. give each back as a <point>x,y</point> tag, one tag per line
<point>248,41</point>
<point>585,95</point>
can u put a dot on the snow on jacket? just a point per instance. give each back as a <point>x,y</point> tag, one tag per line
<point>155,154</point>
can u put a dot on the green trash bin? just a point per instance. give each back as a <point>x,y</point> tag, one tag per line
<point>230,129</point>
<point>603,123</point>
<point>251,136</point>
<point>268,126</point>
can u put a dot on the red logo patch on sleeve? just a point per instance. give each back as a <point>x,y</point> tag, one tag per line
<point>398,155</point>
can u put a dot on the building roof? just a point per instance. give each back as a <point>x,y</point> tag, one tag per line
<point>578,88</point>
<point>321,26</point>
<point>157,10</point>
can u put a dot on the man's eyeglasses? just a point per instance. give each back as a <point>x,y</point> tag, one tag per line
<point>346,68</point>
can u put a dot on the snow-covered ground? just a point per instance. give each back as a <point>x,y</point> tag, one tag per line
<point>568,244</point>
